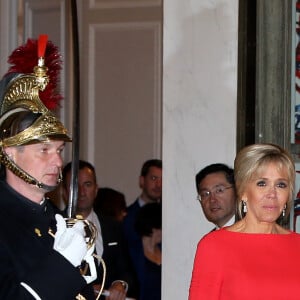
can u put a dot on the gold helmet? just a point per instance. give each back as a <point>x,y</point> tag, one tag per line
<point>24,117</point>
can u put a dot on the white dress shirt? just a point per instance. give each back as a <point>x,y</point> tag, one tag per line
<point>99,242</point>
<point>228,223</point>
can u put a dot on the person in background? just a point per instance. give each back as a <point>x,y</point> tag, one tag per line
<point>148,226</point>
<point>40,257</point>
<point>255,258</point>
<point>216,193</point>
<point>150,182</point>
<point>112,203</point>
<point>110,244</point>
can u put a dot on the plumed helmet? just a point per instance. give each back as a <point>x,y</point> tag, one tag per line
<point>21,91</point>
<point>28,94</point>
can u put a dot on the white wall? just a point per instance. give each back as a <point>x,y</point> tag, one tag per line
<point>199,121</point>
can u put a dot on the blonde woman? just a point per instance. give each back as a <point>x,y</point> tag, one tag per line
<point>255,258</point>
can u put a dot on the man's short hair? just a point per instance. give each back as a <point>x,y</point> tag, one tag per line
<point>81,165</point>
<point>150,163</point>
<point>215,168</point>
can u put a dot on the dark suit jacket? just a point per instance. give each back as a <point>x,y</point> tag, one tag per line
<point>134,241</point>
<point>116,258</point>
<point>115,255</point>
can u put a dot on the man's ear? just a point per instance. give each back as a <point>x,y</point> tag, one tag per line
<point>96,190</point>
<point>141,182</point>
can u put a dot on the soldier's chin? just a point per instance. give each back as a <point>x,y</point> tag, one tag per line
<point>48,187</point>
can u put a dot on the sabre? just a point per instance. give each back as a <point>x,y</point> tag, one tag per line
<point>73,195</point>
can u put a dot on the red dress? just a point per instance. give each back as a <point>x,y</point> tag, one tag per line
<point>231,265</point>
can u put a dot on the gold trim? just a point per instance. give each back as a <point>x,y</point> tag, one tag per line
<point>46,126</point>
<point>23,91</point>
<point>23,94</point>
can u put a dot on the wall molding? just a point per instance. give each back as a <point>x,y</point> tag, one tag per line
<point>96,4</point>
<point>157,109</point>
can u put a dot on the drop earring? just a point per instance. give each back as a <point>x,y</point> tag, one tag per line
<point>283,211</point>
<point>244,204</point>
<point>60,177</point>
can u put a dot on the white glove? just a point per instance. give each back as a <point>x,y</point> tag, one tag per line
<point>91,262</point>
<point>70,242</point>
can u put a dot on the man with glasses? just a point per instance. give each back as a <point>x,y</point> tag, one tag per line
<point>216,193</point>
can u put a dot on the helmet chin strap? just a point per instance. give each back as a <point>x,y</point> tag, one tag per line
<point>10,164</point>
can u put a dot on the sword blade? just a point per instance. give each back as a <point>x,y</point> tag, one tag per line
<point>73,195</point>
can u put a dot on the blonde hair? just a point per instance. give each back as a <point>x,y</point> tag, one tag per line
<point>252,159</point>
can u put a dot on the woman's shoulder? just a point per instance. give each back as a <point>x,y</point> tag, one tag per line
<point>213,241</point>
<point>216,236</point>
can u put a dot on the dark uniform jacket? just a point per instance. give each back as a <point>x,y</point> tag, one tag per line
<point>26,251</point>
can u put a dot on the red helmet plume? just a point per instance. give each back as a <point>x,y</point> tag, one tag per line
<point>26,57</point>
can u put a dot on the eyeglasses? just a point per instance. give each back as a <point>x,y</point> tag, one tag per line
<point>218,190</point>
<point>155,178</point>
